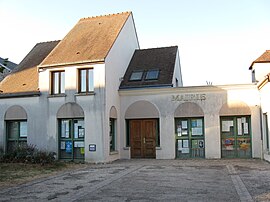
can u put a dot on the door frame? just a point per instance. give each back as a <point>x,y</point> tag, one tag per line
<point>193,147</point>
<point>235,136</point>
<point>71,139</point>
<point>128,134</point>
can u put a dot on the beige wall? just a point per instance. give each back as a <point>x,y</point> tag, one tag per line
<point>265,105</point>
<point>206,101</point>
<point>116,64</point>
<point>261,70</point>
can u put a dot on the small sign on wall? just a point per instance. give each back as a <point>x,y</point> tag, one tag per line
<point>92,147</point>
<point>68,147</point>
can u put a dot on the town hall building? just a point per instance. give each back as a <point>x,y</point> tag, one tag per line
<point>95,96</point>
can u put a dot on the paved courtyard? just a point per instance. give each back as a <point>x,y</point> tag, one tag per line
<point>153,180</point>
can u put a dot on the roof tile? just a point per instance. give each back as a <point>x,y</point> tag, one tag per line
<point>24,78</point>
<point>162,59</point>
<point>265,57</point>
<point>89,40</point>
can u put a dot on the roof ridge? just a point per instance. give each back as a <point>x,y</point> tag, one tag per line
<point>158,47</point>
<point>48,41</point>
<point>106,15</point>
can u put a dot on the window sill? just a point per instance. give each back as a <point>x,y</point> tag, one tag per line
<point>113,152</point>
<point>57,95</point>
<point>126,148</point>
<point>158,148</point>
<point>85,94</point>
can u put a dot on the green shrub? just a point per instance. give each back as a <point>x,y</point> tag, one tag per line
<point>27,154</point>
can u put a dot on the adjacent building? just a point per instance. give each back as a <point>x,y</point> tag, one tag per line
<point>6,67</point>
<point>95,96</point>
<point>260,69</point>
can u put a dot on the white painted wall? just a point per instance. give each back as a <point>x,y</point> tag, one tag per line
<point>116,64</point>
<point>265,107</point>
<point>35,129</point>
<point>261,70</point>
<point>92,105</point>
<point>216,97</point>
<point>42,111</point>
<point>177,72</point>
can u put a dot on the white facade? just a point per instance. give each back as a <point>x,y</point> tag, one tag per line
<point>164,104</point>
<point>43,111</point>
<point>265,97</point>
<point>260,71</point>
<point>213,101</point>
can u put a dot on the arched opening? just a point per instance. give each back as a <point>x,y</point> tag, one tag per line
<point>143,129</point>
<point>188,109</point>
<point>70,110</point>
<point>235,130</point>
<point>71,132</point>
<point>16,127</point>
<point>141,110</point>
<point>189,131</point>
<point>233,108</point>
<point>113,128</point>
<point>16,112</point>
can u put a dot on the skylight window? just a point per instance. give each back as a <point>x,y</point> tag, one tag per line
<point>136,76</point>
<point>152,74</point>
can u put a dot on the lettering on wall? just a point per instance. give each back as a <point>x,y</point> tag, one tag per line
<point>189,97</point>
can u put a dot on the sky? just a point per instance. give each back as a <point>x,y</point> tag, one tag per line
<point>217,39</point>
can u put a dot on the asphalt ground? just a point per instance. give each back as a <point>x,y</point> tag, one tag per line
<point>153,180</point>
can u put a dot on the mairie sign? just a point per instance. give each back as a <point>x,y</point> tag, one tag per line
<point>189,97</point>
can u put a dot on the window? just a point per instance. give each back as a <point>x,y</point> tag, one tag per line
<point>16,134</point>
<point>136,76</point>
<point>58,82</point>
<point>112,134</point>
<point>152,75</point>
<point>235,137</point>
<point>71,140</point>
<point>253,76</point>
<point>189,133</point>
<point>176,82</point>
<point>266,130</point>
<point>144,75</point>
<point>86,80</point>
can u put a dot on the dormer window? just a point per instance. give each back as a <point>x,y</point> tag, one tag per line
<point>152,74</point>
<point>136,76</point>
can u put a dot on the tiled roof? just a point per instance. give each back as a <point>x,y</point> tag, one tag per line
<point>24,78</point>
<point>89,40</point>
<point>9,64</point>
<point>162,59</point>
<point>264,58</point>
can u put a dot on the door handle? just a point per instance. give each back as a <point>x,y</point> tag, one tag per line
<point>144,140</point>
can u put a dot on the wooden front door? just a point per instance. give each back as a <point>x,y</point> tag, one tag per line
<point>143,138</point>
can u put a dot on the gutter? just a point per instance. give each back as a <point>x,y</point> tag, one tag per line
<point>264,82</point>
<point>23,94</point>
<point>70,63</point>
<point>257,62</point>
<point>144,86</point>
